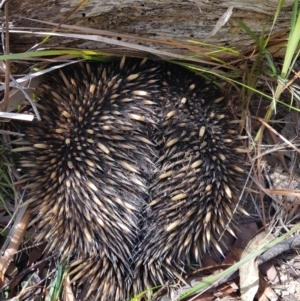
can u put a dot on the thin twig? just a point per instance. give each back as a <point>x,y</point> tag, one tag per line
<point>7,62</point>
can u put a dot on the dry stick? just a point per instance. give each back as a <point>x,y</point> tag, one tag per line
<point>279,248</point>
<point>14,244</point>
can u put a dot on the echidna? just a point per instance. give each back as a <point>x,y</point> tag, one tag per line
<point>133,172</point>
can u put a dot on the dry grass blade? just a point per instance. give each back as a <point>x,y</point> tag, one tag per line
<point>277,134</point>
<point>28,78</point>
<point>100,32</point>
<point>161,53</point>
<point>205,50</point>
<point>7,72</point>
<point>285,192</point>
<point>25,117</point>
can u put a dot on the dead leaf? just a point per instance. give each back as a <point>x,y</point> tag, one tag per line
<point>249,273</point>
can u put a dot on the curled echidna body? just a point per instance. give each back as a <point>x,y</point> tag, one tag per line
<point>132,171</point>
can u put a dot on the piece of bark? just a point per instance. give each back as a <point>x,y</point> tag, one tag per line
<point>172,19</point>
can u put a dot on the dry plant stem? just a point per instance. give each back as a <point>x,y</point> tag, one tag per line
<point>259,175</point>
<point>277,134</point>
<point>26,96</point>
<point>7,72</point>
<point>13,246</point>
